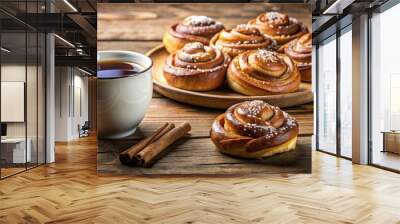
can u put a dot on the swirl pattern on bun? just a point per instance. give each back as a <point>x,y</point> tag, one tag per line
<point>278,26</point>
<point>254,129</point>
<point>300,51</point>
<point>196,67</point>
<point>263,72</point>
<point>240,39</point>
<point>191,29</point>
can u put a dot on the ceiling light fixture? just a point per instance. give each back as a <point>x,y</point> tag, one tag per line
<point>338,6</point>
<point>65,41</point>
<point>5,50</point>
<point>84,71</point>
<point>70,5</point>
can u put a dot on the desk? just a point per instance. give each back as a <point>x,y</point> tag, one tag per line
<point>391,141</point>
<point>13,150</point>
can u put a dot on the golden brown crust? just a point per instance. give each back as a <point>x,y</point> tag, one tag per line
<point>240,39</point>
<point>263,72</point>
<point>191,29</point>
<point>254,129</point>
<point>300,51</point>
<point>279,26</point>
<point>196,67</point>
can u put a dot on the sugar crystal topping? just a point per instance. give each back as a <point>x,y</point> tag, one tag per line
<point>267,55</point>
<point>196,45</point>
<point>199,20</point>
<point>254,108</point>
<point>247,29</point>
<point>274,15</point>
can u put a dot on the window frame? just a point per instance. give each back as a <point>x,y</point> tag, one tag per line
<point>339,32</point>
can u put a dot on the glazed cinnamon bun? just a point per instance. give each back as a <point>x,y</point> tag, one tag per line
<point>263,72</point>
<point>300,51</point>
<point>196,67</point>
<point>254,129</point>
<point>191,29</point>
<point>278,26</point>
<point>240,39</point>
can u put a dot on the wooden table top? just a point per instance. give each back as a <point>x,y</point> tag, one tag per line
<point>124,21</point>
<point>118,29</point>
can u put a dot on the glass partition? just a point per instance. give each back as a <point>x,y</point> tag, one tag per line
<point>326,132</point>
<point>22,77</point>
<point>14,153</point>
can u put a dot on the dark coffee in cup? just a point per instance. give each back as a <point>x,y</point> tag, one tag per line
<point>117,69</point>
<point>124,90</point>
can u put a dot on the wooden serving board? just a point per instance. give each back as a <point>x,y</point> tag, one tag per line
<point>221,98</point>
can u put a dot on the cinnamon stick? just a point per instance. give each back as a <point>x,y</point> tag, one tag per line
<point>126,157</point>
<point>150,154</point>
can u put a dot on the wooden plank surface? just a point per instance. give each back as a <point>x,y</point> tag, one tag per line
<point>200,157</point>
<point>195,149</point>
<point>137,46</point>
<point>163,110</point>
<point>149,21</point>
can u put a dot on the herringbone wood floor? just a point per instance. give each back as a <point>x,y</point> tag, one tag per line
<point>69,191</point>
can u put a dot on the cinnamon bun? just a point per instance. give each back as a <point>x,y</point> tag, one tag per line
<point>254,129</point>
<point>263,72</point>
<point>196,67</point>
<point>279,26</point>
<point>191,29</point>
<point>240,39</point>
<point>300,51</point>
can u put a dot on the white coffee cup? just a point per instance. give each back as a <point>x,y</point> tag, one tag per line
<point>122,102</point>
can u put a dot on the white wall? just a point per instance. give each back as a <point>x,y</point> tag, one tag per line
<point>14,73</point>
<point>70,83</point>
<point>61,103</point>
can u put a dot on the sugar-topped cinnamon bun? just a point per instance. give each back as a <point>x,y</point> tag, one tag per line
<point>196,67</point>
<point>240,39</point>
<point>278,26</point>
<point>254,129</point>
<point>191,29</point>
<point>263,72</point>
<point>300,51</point>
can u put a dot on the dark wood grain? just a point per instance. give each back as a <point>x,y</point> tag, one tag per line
<point>149,21</point>
<point>163,110</point>
<point>137,46</point>
<point>200,157</point>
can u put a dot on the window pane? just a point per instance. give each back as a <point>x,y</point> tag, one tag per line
<point>327,96</point>
<point>385,84</point>
<point>345,94</point>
